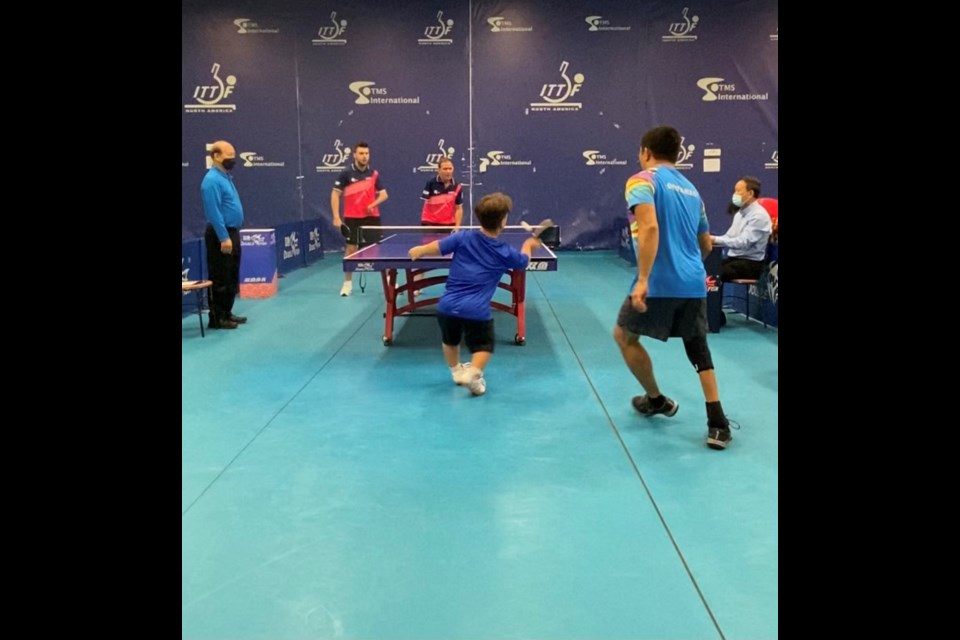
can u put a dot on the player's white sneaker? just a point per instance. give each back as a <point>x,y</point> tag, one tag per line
<point>461,373</point>
<point>477,384</point>
<point>346,289</point>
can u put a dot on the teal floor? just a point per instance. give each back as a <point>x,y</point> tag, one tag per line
<point>336,488</point>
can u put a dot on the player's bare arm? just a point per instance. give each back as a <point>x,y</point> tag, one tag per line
<point>432,249</point>
<point>706,244</point>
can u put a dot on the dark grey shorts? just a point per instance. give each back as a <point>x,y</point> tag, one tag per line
<point>666,318</point>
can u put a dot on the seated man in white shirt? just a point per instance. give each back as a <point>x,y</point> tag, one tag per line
<point>746,240</point>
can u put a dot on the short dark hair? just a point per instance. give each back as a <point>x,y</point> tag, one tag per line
<point>492,209</point>
<point>361,144</point>
<point>753,184</point>
<point>663,142</point>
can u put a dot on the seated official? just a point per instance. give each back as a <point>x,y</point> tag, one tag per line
<point>745,243</point>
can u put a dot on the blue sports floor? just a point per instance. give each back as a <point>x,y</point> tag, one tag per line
<point>336,488</point>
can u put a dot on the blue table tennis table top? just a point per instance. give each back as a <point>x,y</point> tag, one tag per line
<point>392,253</point>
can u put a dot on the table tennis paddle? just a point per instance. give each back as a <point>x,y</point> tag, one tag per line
<point>540,228</point>
<point>345,231</point>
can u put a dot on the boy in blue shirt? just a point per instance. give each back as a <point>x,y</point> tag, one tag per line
<point>480,259</point>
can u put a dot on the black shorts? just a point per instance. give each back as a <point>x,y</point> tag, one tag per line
<point>370,236</point>
<point>477,334</point>
<point>666,318</point>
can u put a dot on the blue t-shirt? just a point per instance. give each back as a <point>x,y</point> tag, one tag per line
<point>678,268</point>
<point>221,202</point>
<point>479,262</point>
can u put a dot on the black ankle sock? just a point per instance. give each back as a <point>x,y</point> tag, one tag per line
<point>658,401</point>
<point>715,417</point>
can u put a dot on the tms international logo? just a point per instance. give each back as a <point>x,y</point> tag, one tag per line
<point>774,161</point>
<point>499,24</point>
<point>555,95</point>
<point>716,89</point>
<point>369,93</point>
<point>433,159</point>
<point>437,33</point>
<point>246,25</point>
<point>684,157</point>
<point>332,35</point>
<point>291,246</point>
<point>255,239</point>
<point>597,23</point>
<point>680,31</point>
<point>501,159</point>
<point>775,37</point>
<point>335,161</point>
<point>595,158</point>
<point>253,159</point>
<point>313,241</point>
<point>209,97</point>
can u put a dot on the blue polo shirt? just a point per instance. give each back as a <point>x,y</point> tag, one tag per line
<point>221,202</point>
<point>678,268</point>
<point>479,262</point>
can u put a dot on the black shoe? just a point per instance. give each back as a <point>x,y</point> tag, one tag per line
<point>718,438</point>
<point>222,324</point>
<point>644,406</point>
<point>238,319</point>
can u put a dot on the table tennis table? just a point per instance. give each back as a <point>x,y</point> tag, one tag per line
<point>389,256</point>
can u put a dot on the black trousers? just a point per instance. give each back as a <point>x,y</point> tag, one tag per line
<point>224,271</point>
<point>740,269</point>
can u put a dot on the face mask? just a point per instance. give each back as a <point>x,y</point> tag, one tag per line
<point>229,163</point>
<point>736,199</point>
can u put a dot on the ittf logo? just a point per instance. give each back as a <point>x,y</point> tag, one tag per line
<point>210,96</point>
<point>335,161</point>
<point>680,31</point>
<point>434,34</point>
<point>332,34</point>
<point>433,159</point>
<point>556,94</point>
<point>684,155</point>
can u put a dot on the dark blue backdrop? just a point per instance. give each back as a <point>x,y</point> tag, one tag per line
<point>543,99</point>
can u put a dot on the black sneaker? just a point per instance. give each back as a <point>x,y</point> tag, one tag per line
<point>644,406</point>
<point>718,438</point>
